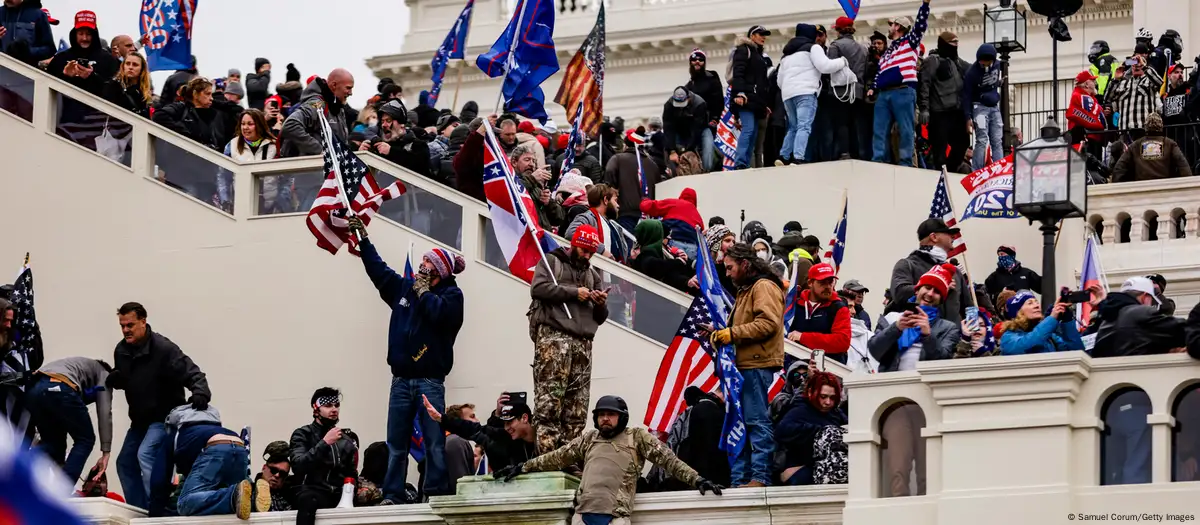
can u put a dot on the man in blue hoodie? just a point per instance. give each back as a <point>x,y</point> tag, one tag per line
<point>25,31</point>
<point>427,313</point>
<point>981,104</point>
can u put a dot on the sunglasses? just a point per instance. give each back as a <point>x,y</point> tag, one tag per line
<point>277,471</point>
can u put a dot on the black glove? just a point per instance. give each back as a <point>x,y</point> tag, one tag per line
<point>706,485</point>
<point>198,402</point>
<point>509,472</point>
<point>116,380</point>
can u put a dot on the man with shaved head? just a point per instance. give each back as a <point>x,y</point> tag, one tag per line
<point>122,46</point>
<point>302,129</point>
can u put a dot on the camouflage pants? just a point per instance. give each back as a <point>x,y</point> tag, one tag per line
<point>562,383</point>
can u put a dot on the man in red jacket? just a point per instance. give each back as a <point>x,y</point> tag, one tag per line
<point>1085,115</point>
<point>822,320</point>
<point>680,217</point>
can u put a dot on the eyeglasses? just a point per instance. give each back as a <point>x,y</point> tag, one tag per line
<point>277,471</point>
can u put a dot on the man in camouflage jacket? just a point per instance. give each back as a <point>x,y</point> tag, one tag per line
<point>613,456</point>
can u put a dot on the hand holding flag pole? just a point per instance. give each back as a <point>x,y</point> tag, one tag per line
<point>337,171</point>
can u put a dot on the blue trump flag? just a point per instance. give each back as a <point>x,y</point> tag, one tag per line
<point>851,7</point>
<point>416,443</point>
<point>733,432</point>
<point>524,54</point>
<point>169,26</point>
<point>451,49</point>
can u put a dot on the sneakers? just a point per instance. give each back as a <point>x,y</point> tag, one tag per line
<point>242,499</point>
<point>262,495</point>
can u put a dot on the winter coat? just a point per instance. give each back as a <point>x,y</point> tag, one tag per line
<point>939,344</point>
<point>549,214</point>
<point>603,154</point>
<point>128,98</point>
<point>671,272</point>
<point>585,162</point>
<point>104,66</point>
<point>1019,278</point>
<point>426,115</point>
<point>1151,158</point>
<point>468,167</point>
<point>410,152</point>
<point>622,174</point>
<point>940,87</point>
<point>501,449</point>
<point>803,64</point>
<point>826,327</point>
<point>204,125</point>
<point>549,298</point>
<point>708,86</point>
<point>856,58</point>
<point>1130,328</point>
<point>614,241</point>
<point>153,374</point>
<point>258,87</point>
<point>683,128</point>
<point>680,216</point>
<point>756,325</point>
<point>909,270</point>
<point>539,153</point>
<point>1050,335</point>
<point>798,429</point>
<point>319,465</point>
<point>302,130</point>
<point>178,79</point>
<point>28,36</point>
<point>423,327</point>
<point>981,86</point>
<point>748,76</point>
<point>445,174</point>
<point>859,358</point>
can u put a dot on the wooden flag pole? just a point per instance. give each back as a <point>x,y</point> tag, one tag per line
<point>457,85</point>
<point>26,259</point>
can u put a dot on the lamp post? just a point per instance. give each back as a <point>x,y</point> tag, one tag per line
<point>1049,184</point>
<point>1004,28</point>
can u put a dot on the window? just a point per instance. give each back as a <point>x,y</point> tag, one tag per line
<point>1185,437</point>
<point>903,450</point>
<point>1125,442</point>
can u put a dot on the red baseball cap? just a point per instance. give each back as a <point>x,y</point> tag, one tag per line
<point>1084,76</point>
<point>820,272</point>
<point>53,21</point>
<point>85,19</point>
<point>526,126</point>
<point>843,22</point>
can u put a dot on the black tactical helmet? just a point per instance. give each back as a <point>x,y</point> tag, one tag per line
<point>611,404</point>
<point>1099,47</point>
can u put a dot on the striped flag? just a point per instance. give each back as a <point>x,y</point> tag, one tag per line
<point>576,135</point>
<point>780,380</point>
<point>1090,275</point>
<point>688,362</point>
<point>514,218</point>
<point>451,49</point>
<point>583,81</point>
<point>837,244</point>
<point>726,139</point>
<point>941,209</point>
<point>347,180</point>
<point>851,7</point>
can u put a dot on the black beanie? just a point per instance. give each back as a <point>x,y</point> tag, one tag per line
<point>1012,252</point>
<point>293,74</point>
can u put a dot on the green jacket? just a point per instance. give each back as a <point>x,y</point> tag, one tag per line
<point>1102,68</point>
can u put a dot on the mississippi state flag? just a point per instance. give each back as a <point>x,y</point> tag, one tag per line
<point>514,219</point>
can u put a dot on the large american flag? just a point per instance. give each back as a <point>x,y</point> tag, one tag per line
<point>688,362</point>
<point>584,79</point>
<point>327,218</point>
<point>941,209</point>
<point>26,354</point>
<point>726,139</point>
<point>837,244</point>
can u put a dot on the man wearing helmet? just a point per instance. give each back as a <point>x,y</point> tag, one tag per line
<point>1103,64</point>
<point>1167,54</point>
<point>613,456</point>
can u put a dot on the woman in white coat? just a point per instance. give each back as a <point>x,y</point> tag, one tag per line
<point>804,61</point>
<point>255,143</point>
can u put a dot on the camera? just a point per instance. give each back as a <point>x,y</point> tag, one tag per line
<point>1075,297</point>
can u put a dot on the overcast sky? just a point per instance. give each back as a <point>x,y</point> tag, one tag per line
<point>315,35</point>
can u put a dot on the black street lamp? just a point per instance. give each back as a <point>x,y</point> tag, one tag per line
<point>1056,11</point>
<point>1049,184</point>
<point>1004,28</point>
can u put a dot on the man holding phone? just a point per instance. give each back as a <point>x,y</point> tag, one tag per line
<point>1134,93</point>
<point>322,456</point>
<point>427,313</point>
<point>85,64</point>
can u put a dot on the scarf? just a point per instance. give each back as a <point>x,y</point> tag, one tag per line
<point>937,253</point>
<point>1008,262</point>
<point>601,226</point>
<point>910,336</point>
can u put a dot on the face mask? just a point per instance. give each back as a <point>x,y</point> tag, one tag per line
<point>938,253</point>
<point>764,255</point>
<point>1007,262</point>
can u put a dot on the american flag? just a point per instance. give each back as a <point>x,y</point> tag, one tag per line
<point>726,139</point>
<point>327,218</point>
<point>26,354</point>
<point>837,244</point>
<point>780,380</point>
<point>569,159</point>
<point>941,209</point>
<point>583,81</point>
<point>688,362</point>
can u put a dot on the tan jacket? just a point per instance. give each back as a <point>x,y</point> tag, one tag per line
<point>756,326</point>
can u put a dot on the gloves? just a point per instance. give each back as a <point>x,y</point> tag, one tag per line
<point>421,284</point>
<point>721,337</point>
<point>356,226</point>
<point>509,472</point>
<point>116,380</point>
<point>706,485</point>
<point>198,402</point>
<point>923,117</point>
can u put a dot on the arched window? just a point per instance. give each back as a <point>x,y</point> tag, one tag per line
<point>1124,227</point>
<point>1185,438</point>
<point>1125,442</point>
<point>903,450</point>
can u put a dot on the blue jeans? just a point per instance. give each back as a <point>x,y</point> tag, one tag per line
<point>754,462</point>
<point>989,130</point>
<point>208,490</point>
<point>403,406</point>
<point>1132,435</point>
<point>58,411</point>
<point>895,105</point>
<point>746,141</point>
<point>706,149</point>
<point>801,110</point>
<point>136,462</point>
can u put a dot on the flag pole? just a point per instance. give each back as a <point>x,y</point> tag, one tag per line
<point>512,48</point>
<point>337,170</point>
<point>966,268</point>
<point>26,259</point>
<point>457,84</point>
<point>845,213</point>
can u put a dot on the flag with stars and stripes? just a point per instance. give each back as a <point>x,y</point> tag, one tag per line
<point>576,136</point>
<point>514,218</point>
<point>726,139</point>
<point>941,209</point>
<point>688,362</point>
<point>26,354</point>
<point>582,87</point>
<point>168,25</point>
<point>733,431</point>
<point>837,244</point>
<point>349,189</point>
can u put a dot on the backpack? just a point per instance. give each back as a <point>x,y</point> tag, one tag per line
<point>830,457</point>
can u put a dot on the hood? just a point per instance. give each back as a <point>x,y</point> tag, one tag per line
<point>806,35</point>
<point>688,195</point>
<point>744,41</point>
<point>693,395</point>
<point>318,88</point>
<point>858,327</point>
<point>470,110</point>
<point>186,415</point>
<point>986,51</point>
<point>946,49</point>
<point>1113,304</point>
<point>96,46</point>
<point>791,241</point>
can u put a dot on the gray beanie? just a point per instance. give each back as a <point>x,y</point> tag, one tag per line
<point>235,88</point>
<point>235,72</point>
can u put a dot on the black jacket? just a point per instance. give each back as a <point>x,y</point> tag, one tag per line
<point>318,464</point>
<point>1192,332</point>
<point>700,450</point>
<point>208,126</point>
<point>909,270</point>
<point>1020,278</point>
<point>585,162</point>
<point>1130,328</point>
<point>426,115</point>
<point>683,128</point>
<point>410,152</point>
<point>103,68</point>
<point>153,375</point>
<point>749,68</point>
<point>177,80</point>
<point>708,85</point>
<point>502,450</point>
<point>798,429</point>
<point>129,98</point>
<point>671,272</point>
<point>258,88</point>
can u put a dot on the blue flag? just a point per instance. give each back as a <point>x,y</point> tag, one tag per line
<point>169,25</point>
<point>726,139</point>
<point>452,49</point>
<point>32,489</point>
<point>524,53</point>
<point>733,432</point>
<point>850,7</point>
<point>416,444</point>
<point>63,45</point>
